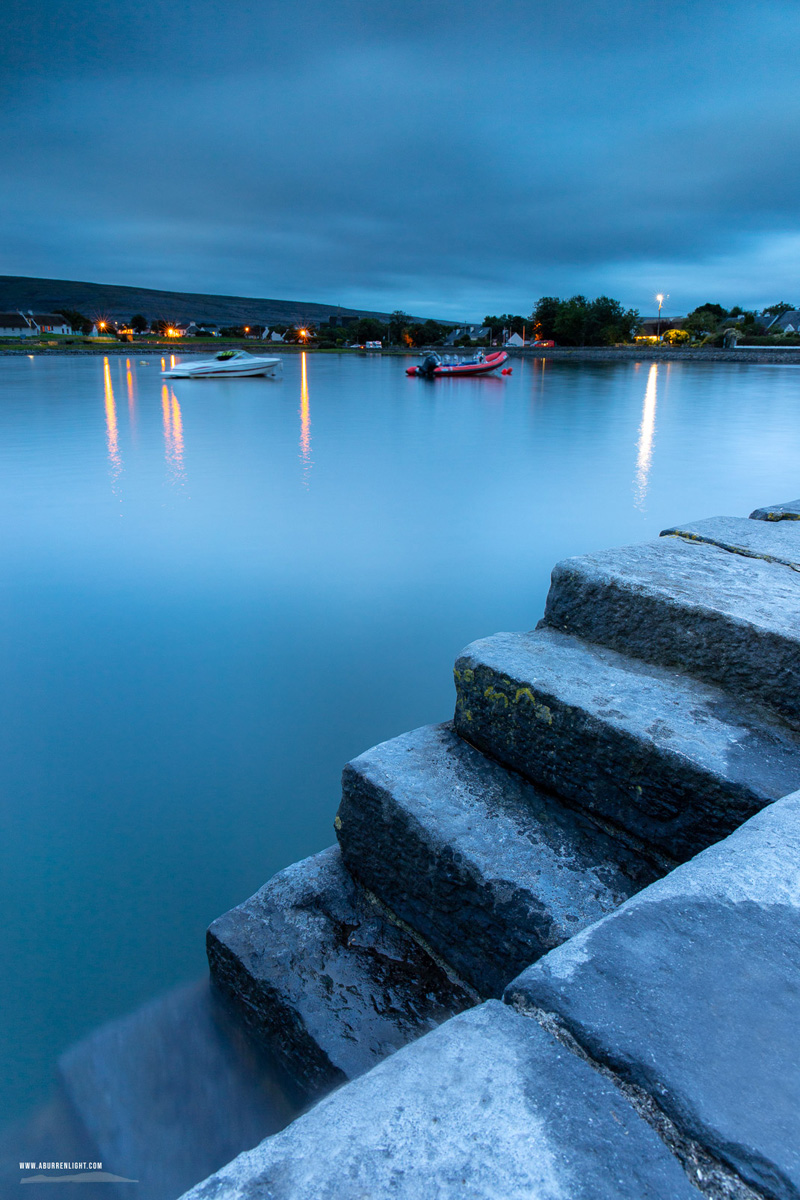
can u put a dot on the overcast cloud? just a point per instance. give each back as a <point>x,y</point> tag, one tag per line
<point>383,155</point>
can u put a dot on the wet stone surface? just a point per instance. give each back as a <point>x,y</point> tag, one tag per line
<point>773,541</point>
<point>691,991</point>
<point>488,1107</point>
<point>789,511</point>
<point>492,871</point>
<point>731,620</point>
<point>677,762</point>
<point>323,977</point>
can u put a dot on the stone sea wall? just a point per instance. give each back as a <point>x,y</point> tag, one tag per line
<point>555,952</point>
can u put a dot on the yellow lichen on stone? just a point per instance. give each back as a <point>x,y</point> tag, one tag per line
<point>491,694</point>
<point>337,822</point>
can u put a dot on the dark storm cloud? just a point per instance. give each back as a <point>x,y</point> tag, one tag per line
<point>452,163</point>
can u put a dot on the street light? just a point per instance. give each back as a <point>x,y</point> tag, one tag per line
<point>660,300</point>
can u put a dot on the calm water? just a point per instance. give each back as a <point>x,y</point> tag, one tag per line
<point>213,594</point>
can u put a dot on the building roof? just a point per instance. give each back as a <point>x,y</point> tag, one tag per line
<point>50,319</point>
<point>13,321</point>
<point>784,319</point>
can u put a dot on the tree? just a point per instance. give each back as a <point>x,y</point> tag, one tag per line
<point>543,317</point>
<point>775,310</point>
<point>77,321</point>
<point>677,337</point>
<point>511,323</point>
<point>399,322</point>
<point>428,333</point>
<point>717,309</point>
<point>579,321</point>
<point>704,320</point>
<point>139,323</point>
<point>367,329</point>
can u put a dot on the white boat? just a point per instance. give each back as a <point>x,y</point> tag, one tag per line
<point>228,364</point>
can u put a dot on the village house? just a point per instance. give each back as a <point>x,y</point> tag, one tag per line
<point>478,333</point>
<point>15,325</point>
<point>786,322</point>
<point>50,322</point>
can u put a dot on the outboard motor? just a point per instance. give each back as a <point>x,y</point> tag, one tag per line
<point>429,365</point>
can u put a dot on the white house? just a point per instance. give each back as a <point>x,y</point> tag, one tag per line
<point>514,340</point>
<point>15,325</point>
<point>50,322</point>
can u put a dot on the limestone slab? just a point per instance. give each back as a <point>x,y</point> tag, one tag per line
<point>490,870</point>
<point>488,1107</point>
<point>677,762</point>
<point>773,541</point>
<point>691,990</point>
<point>732,620</point>
<point>790,511</point>
<point>323,977</point>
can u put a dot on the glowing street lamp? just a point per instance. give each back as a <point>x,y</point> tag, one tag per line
<point>660,299</point>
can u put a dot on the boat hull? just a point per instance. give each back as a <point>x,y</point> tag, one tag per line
<point>239,367</point>
<point>463,370</point>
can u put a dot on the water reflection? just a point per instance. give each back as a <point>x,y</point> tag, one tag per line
<point>112,432</point>
<point>305,420</point>
<point>173,433</point>
<point>129,382</point>
<point>646,431</point>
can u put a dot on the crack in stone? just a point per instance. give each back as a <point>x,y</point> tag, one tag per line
<point>712,1178</point>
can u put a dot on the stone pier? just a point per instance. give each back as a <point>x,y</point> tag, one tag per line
<point>556,951</point>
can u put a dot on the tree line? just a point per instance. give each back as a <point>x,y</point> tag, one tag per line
<point>575,321</point>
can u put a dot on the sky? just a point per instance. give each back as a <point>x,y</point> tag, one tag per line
<point>451,160</point>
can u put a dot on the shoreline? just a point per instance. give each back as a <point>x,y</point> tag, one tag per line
<point>757,354</point>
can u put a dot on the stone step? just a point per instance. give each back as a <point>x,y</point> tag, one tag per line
<point>691,992</point>
<point>487,1107</point>
<point>732,620</point>
<point>673,760</point>
<point>324,978</point>
<point>790,511</point>
<point>491,871</point>
<point>773,541</point>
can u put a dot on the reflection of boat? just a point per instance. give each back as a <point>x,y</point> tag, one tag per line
<point>432,366</point>
<point>228,364</point>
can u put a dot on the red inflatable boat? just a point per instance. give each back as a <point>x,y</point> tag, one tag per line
<point>432,366</point>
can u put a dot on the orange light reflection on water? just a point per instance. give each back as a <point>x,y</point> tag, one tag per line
<point>112,432</point>
<point>173,433</point>
<point>129,382</point>
<point>305,419</point>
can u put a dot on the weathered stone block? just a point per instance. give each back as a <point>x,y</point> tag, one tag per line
<point>488,1107</point>
<point>323,977</point>
<point>774,542</point>
<point>676,761</point>
<point>790,511</point>
<point>491,871</point>
<point>691,990</point>
<point>732,620</point>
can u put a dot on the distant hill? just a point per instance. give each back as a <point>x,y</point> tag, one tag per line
<point>103,300</point>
